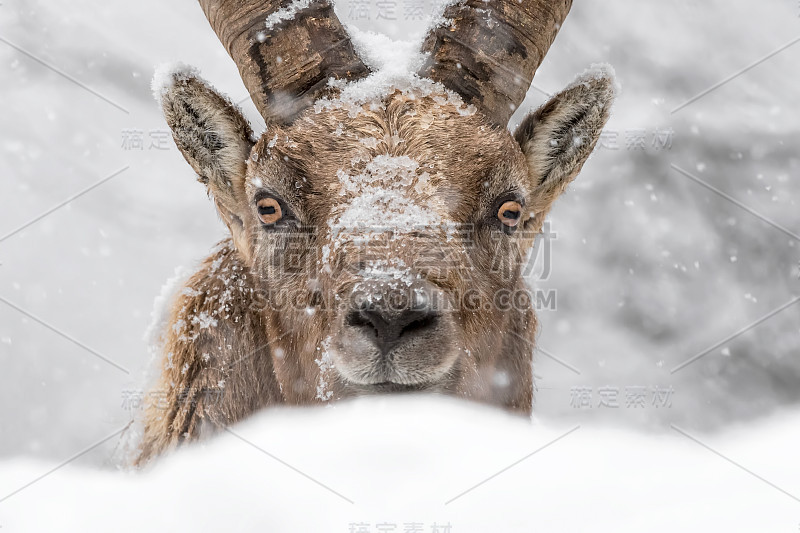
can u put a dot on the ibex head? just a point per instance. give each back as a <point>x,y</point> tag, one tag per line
<point>386,230</point>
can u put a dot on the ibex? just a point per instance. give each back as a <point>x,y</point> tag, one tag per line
<point>371,231</point>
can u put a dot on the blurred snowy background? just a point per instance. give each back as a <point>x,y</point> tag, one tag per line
<point>680,239</point>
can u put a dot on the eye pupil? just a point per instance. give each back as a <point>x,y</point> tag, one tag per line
<point>270,210</point>
<point>511,214</point>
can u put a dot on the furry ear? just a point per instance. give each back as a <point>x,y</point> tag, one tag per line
<point>558,137</point>
<point>214,138</point>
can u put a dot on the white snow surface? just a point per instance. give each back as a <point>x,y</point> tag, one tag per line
<point>402,460</point>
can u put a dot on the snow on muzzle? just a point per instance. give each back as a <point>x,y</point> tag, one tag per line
<point>394,331</point>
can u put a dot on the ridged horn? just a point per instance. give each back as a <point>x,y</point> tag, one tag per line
<point>286,51</point>
<point>488,52</point>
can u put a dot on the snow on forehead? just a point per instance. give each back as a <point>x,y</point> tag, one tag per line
<point>391,272</point>
<point>384,170</point>
<point>378,200</point>
<point>394,66</point>
<point>379,197</point>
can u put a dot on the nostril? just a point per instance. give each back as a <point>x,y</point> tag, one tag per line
<point>424,321</point>
<point>389,325</point>
<point>358,318</point>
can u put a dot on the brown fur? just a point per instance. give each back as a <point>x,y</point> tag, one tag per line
<point>249,330</point>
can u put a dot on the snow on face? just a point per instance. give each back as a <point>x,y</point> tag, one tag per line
<point>391,194</point>
<point>379,199</point>
<point>325,364</point>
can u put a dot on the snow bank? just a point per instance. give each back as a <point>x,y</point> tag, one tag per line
<point>427,461</point>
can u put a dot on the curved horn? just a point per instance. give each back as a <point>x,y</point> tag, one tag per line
<point>286,51</point>
<point>489,51</point>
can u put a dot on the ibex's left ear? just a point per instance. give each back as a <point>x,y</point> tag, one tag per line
<point>214,138</point>
<point>558,137</point>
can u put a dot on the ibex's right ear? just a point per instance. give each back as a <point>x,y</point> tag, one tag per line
<point>213,136</point>
<point>558,137</point>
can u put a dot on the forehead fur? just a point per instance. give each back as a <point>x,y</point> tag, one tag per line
<point>466,159</point>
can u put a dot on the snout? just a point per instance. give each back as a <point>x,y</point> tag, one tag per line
<point>395,333</point>
<point>393,318</point>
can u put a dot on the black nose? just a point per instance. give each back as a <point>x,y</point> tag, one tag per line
<point>391,325</point>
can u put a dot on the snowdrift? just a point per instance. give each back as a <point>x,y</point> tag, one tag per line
<point>421,464</point>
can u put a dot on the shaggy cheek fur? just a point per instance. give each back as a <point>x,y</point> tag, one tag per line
<point>297,351</point>
<point>296,320</point>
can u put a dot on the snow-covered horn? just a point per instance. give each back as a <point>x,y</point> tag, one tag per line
<point>488,52</point>
<point>286,51</point>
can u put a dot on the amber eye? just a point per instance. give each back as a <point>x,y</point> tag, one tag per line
<point>510,213</point>
<point>269,210</point>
